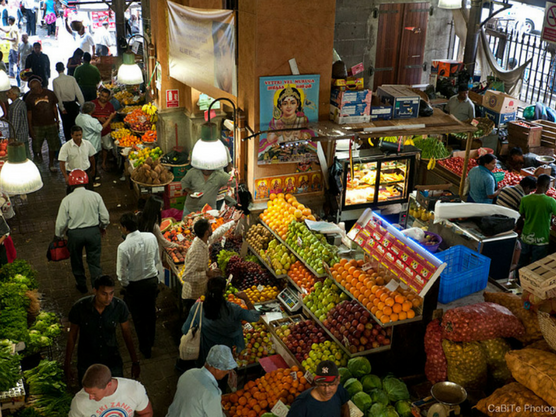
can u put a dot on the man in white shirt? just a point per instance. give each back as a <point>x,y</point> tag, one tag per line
<point>460,106</point>
<point>69,97</point>
<point>83,39</point>
<point>137,269</point>
<point>103,40</point>
<point>12,35</point>
<point>107,396</point>
<point>77,154</point>
<point>83,215</point>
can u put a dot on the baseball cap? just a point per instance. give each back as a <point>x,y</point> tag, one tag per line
<point>327,371</point>
<point>220,357</point>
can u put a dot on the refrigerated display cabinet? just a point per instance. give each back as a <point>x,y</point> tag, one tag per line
<point>379,180</point>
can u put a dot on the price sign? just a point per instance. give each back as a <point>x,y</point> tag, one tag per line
<point>229,280</point>
<point>346,342</point>
<point>309,377</point>
<point>294,375</point>
<point>280,409</point>
<point>223,242</point>
<point>366,266</point>
<point>244,249</point>
<point>232,381</point>
<point>260,287</point>
<point>354,411</point>
<point>299,242</point>
<point>393,285</point>
<point>180,237</point>
<point>248,327</point>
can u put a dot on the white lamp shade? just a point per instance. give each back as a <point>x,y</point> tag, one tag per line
<point>209,155</point>
<point>5,84</point>
<point>20,178</point>
<point>130,74</point>
<point>449,4</point>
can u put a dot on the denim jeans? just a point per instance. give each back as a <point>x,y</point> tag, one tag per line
<point>531,253</point>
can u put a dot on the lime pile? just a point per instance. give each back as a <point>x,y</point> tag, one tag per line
<point>138,157</point>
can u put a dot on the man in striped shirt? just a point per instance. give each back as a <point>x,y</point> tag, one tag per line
<point>510,197</point>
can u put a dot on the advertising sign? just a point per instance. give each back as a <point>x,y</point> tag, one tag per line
<point>548,33</point>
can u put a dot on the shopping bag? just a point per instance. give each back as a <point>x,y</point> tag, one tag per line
<point>58,250</point>
<point>190,343</point>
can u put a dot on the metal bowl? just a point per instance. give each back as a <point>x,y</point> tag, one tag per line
<point>448,393</point>
<point>545,159</point>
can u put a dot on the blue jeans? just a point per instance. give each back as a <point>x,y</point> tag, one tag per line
<point>531,253</point>
<point>12,61</point>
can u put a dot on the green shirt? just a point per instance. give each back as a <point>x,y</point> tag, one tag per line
<point>537,209</point>
<point>87,75</point>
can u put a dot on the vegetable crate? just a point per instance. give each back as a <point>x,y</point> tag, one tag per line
<point>539,278</point>
<point>14,398</point>
<point>524,133</point>
<point>466,272</point>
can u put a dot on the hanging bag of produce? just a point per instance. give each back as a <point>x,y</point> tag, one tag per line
<point>58,250</point>
<point>190,343</point>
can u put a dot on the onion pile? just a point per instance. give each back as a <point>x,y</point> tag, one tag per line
<point>435,368</point>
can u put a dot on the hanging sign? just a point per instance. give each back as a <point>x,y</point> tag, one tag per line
<point>548,33</point>
<point>172,98</point>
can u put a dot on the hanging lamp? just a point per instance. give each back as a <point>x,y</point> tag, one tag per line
<point>449,4</point>
<point>129,72</point>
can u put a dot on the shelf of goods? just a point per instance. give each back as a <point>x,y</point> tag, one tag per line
<point>258,344</point>
<point>265,264</point>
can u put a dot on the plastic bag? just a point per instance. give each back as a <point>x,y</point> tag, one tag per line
<point>435,367</point>
<point>415,233</point>
<point>335,177</point>
<point>514,400</point>
<point>467,365</point>
<point>481,321</point>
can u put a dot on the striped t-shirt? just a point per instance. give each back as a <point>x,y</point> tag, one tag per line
<point>510,197</point>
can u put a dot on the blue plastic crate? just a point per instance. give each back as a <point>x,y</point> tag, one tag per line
<point>466,272</point>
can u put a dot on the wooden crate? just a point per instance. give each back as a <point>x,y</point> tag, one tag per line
<point>548,134</point>
<point>539,278</point>
<point>527,135</point>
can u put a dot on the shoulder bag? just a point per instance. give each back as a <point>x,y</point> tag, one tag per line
<point>190,343</point>
<point>58,250</point>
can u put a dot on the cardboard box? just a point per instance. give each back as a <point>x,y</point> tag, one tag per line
<point>380,111</point>
<point>174,190</point>
<point>476,98</point>
<point>446,67</point>
<point>363,109</point>
<point>337,117</point>
<point>499,102</point>
<point>355,83</point>
<point>340,98</point>
<point>499,119</point>
<point>404,102</point>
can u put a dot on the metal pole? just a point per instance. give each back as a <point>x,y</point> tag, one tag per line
<point>473,25</point>
<point>119,7</point>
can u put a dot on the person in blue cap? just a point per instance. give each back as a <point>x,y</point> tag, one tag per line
<point>198,394</point>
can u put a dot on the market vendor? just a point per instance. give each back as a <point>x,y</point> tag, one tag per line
<point>207,182</point>
<point>515,161</point>
<point>482,184</point>
<point>327,398</point>
<point>460,106</point>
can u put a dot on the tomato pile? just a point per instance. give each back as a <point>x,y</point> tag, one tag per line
<point>510,179</point>
<point>522,124</point>
<point>551,192</point>
<point>455,164</point>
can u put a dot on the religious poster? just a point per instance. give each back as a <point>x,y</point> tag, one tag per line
<point>297,183</point>
<point>202,48</point>
<point>287,105</point>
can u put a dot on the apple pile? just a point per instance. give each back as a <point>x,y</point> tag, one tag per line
<point>324,298</point>
<point>311,247</point>
<point>352,325</point>
<point>178,253</point>
<point>326,350</point>
<point>258,344</point>
<point>300,337</point>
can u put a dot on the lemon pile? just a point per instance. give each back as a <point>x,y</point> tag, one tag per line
<point>117,125</point>
<point>120,133</point>
<point>267,294</point>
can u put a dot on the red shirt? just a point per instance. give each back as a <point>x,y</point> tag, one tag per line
<point>105,112</point>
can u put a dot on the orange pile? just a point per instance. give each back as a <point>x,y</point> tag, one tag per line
<point>282,210</point>
<point>233,299</point>
<point>136,116</point>
<point>128,140</point>
<point>259,396</point>
<point>219,221</point>
<point>368,288</point>
<point>302,276</point>
<point>149,136</point>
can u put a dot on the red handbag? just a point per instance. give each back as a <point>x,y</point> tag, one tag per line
<point>58,250</point>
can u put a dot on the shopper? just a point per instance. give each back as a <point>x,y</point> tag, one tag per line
<point>70,98</point>
<point>77,154</point>
<point>196,270</point>
<point>326,398</point>
<point>31,14</point>
<point>24,49</point>
<point>148,220</point>
<point>137,269</point>
<point>85,218</point>
<point>536,213</point>
<point>197,394</point>
<point>103,40</point>
<point>74,61</point>
<point>482,184</point>
<point>50,16</point>
<point>42,116</point>
<point>84,40</point>
<point>104,111</point>
<point>204,181</point>
<point>93,322</point>
<point>460,106</point>
<point>103,395</point>
<point>510,197</point>
<point>12,35</point>
<point>88,78</point>
<point>221,319</point>
<point>17,115</point>
<point>39,63</point>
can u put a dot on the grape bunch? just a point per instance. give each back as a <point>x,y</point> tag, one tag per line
<point>231,244</point>
<point>246,274</point>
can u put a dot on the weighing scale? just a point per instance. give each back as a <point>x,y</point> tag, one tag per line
<point>449,396</point>
<point>290,299</point>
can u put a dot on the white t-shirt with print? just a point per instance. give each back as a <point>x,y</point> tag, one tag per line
<point>128,397</point>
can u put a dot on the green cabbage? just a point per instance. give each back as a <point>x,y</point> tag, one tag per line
<point>403,407</point>
<point>379,396</point>
<point>395,389</point>
<point>353,386</point>
<point>345,374</point>
<point>376,410</point>
<point>371,382</point>
<point>390,412</point>
<point>362,401</point>
<point>359,366</point>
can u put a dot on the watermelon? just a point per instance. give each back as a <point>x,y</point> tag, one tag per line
<point>165,224</point>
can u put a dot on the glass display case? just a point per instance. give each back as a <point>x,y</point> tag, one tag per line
<point>378,179</point>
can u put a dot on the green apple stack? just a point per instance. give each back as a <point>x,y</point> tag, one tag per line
<point>327,350</point>
<point>324,297</point>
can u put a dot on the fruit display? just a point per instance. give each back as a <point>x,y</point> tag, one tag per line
<point>178,254</point>
<point>226,243</point>
<point>120,133</point>
<point>126,98</point>
<point>262,294</point>
<point>455,164</point>
<point>311,247</point>
<point>149,136</point>
<point>248,274</point>
<point>324,298</point>
<point>354,327</point>
<point>431,147</point>
<point>3,148</point>
<point>278,257</point>
<point>151,172</point>
<point>258,344</point>
<point>510,179</point>
<point>368,287</point>
<point>152,111</point>
<point>140,156</point>
<point>258,237</point>
<point>323,351</point>
<point>302,277</point>
<point>139,121</point>
<point>421,213</point>
<point>129,109</point>
<point>259,396</point>
<point>281,211</point>
<point>117,125</point>
<point>128,140</point>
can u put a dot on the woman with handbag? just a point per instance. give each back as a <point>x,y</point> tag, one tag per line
<point>218,320</point>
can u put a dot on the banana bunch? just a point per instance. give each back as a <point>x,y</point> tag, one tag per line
<point>393,139</point>
<point>409,141</point>
<point>152,111</point>
<point>431,164</point>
